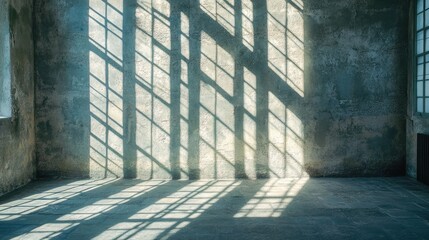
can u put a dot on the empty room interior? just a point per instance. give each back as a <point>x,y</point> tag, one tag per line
<point>214,119</point>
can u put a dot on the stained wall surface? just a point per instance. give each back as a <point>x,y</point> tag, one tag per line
<point>220,88</point>
<point>17,133</point>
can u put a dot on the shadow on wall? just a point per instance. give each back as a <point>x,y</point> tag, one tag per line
<point>196,89</point>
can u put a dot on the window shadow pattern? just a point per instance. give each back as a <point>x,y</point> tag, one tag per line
<point>206,209</point>
<point>136,209</point>
<point>208,89</point>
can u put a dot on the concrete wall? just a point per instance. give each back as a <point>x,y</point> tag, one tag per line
<point>220,89</point>
<point>358,77</point>
<point>17,134</point>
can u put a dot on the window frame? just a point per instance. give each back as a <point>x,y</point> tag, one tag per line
<point>6,67</point>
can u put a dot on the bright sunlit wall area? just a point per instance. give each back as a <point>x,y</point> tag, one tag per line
<point>193,108</point>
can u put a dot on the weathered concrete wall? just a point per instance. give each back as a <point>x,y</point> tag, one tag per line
<point>358,54</point>
<point>220,89</point>
<point>17,134</point>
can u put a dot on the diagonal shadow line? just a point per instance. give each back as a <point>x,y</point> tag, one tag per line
<point>295,5</point>
<point>107,126</point>
<point>107,147</point>
<point>154,95</point>
<point>100,154</point>
<point>217,153</point>
<point>206,79</point>
<point>144,115</point>
<point>100,54</point>
<point>285,93</point>
<point>216,118</point>
<point>222,68</point>
<point>102,166</point>
<point>153,160</point>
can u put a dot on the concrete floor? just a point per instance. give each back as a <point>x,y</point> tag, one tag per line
<point>364,208</point>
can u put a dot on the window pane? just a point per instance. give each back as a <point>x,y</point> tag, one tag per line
<point>419,104</point>
<point>420,42</point>
<point>426,4</point>
<point>419,5</point>
<point>427,88</point>
<point>427,71</point>
<point>419,21</point>
<point>420,72</point>
<point>427,40</point>
<point>427,105</point>
<point>420,60</point>
<point>420,89</point>
<point>427,18</point>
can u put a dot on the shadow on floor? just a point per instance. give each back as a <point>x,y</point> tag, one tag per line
<point>374,208</point>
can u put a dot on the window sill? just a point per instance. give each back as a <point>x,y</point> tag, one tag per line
<point>4,119</point>
<point>5,124</point>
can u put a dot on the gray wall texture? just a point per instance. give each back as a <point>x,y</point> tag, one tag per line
<point>17,134</point>
<point>220,89</point>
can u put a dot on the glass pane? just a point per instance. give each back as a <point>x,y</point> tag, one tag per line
<point>419,21</point>
<point>419,5</point>
<point>427,88</point>
<point>427,105</point>
<point>420,72</point>
<point>427,42</point>
<point>419,104</point>
<point>426,4</point>
<point>427,71</point>
<point>427,18</point>
<point>419,46</point>
<point>420,42</point>
<point>420,60</point>
<point>420,89</point>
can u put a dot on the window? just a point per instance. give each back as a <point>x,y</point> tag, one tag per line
<point>5,84</point>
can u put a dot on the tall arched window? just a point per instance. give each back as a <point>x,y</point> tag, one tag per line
<point>5,76</point>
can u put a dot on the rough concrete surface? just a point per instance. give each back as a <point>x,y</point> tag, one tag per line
<point>17,134</point>
<point>322,208</point>
<point>220,89</point>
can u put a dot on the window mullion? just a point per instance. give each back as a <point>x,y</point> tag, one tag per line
<point>424,57</point>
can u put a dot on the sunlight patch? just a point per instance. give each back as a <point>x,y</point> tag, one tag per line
<point>272,199</point>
